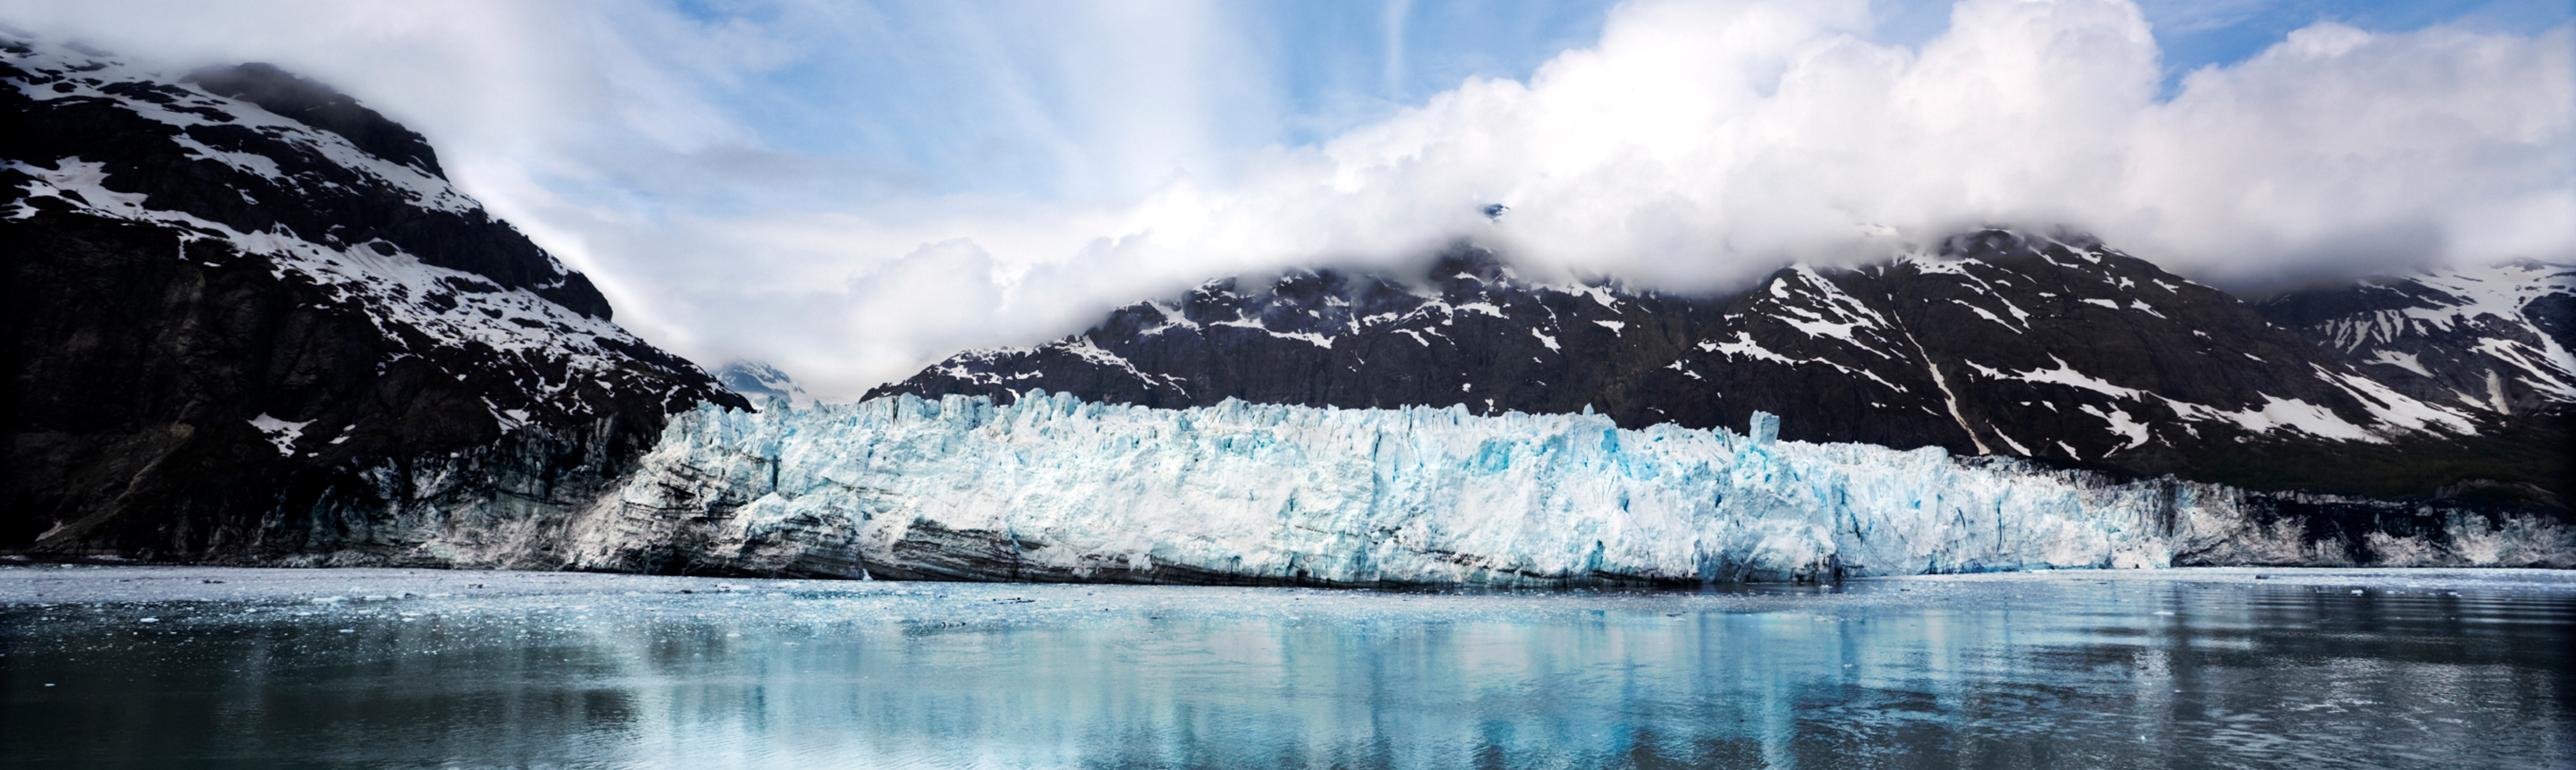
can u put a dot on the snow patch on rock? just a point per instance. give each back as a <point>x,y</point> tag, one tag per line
<point>280,433</point>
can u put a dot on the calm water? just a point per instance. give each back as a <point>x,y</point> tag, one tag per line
<point>2306,670</point>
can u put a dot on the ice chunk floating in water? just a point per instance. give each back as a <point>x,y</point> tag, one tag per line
<point>1052,488</point>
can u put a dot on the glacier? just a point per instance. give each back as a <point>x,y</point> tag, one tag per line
<point>1051,488</point>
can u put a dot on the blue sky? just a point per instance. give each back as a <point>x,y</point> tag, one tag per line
<point>930,97</point>
<point>2200,33</point>
<point>852,190</point>
<point>941,97</point>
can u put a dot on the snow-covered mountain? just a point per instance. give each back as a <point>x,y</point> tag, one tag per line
<point>251,321</point>
<point>2496,339</point>
<point>246,310</point>
<point>2047,346</point>
<point>757,380</point>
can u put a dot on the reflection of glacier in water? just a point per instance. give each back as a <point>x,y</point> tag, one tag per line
<point>2067,669</point>
<point>1052,488</point>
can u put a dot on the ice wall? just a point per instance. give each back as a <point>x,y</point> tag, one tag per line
<point>1052,488</point>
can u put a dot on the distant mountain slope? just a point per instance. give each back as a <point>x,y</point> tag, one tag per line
<point>246,314</point>
<point>756,380</point>
<point>1994,342</point>
<point>2496,338</point>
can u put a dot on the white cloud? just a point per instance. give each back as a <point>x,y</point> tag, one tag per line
<point>2343,149</point>
<point>1697,145</point>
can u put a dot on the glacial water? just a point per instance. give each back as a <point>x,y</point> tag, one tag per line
<point>158,667</point>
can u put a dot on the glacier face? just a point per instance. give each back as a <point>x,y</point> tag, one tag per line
<point>1054,488</point>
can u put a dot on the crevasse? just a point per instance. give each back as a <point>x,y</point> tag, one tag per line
<point>1053,488</point>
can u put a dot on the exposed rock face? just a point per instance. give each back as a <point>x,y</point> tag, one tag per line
<point>315,105</point>
<point>1996,342</point>
<point>2497,339</point>
<point>248,317</point>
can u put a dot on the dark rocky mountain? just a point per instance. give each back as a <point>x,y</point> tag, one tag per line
<point>248,317</point>
<point>2052,347</point>
<point>2496,339</point>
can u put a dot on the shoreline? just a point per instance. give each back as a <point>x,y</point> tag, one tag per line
<point>27,582</point>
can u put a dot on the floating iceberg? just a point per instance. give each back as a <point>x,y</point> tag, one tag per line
<point>1053,488</point>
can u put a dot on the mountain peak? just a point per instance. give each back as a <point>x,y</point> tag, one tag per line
<point>759,380</point>
<point>243,297</point>
<point>319,106</point>
<point>325,171</point>
<point>2498,338</point>
<point>2050,345</point>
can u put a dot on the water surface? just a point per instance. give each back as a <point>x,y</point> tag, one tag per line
<point>151,667</point>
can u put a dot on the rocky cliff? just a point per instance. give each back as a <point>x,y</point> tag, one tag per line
<point>2496,338</point>
<point>248,317</point>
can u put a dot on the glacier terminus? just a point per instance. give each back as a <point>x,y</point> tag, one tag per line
<point>1052,488</point>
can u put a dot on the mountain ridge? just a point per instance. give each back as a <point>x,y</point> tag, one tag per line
<point>246,335</point>
<point>2496,337</point>
<point>2048,346</point>
<point>234,330</point>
